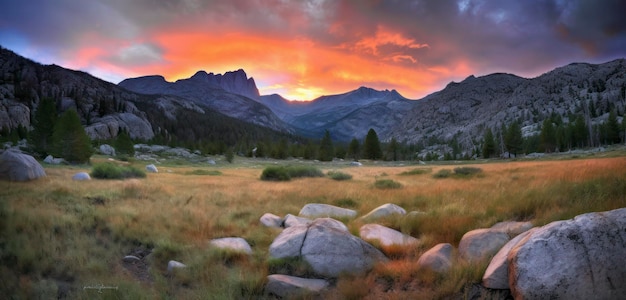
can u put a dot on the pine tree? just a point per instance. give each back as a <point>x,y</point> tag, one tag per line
<point>612,129</point>
<point>371,147</point>
<point>580,132</point>
<point>513,139</point>
<point>326,151</point>
<point>548,136</point>
<point>70,140</point>
<point>489,144</point>
<point>123,144</point>
<point>393,149</point>
<point>354,149</point>
<point>43,125</point>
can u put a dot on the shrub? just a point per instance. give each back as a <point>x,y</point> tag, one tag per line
<point>112,171</point>
<point>417,172</point>
<point>346,202</point>
<point>275,174</point>
<point>387,184</point>
<point>444,173</point>
<point>336,175</point>
<point>204,172</point>
<point>286,173</point>
<point>467,171</point>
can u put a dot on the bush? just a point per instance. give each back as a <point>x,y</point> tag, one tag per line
<point>336,175</point>
<point>204,172</point>
<point>387,184</point>
<point>275,174</point>
<point>346,203</point>
<point>467,171</point>
<point>112,171</point>
<point>417,172</point>
<point>444,173</point>
<point>286,173</point>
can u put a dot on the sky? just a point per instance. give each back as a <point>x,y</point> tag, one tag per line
<point>309,48</point>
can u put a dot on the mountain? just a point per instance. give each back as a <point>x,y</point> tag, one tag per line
<point>229,94</point>
<point>345,116</point>
<point>462,111</point>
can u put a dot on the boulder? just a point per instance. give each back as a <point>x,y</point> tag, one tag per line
<point>109,126</point>
<point>481,244</point>
<point>16,166</point>
<point>438,258</point>
<point>271,220</point>
<point>581,258</point>
<point>356,164</point>
<point>291,220</point>
<point>107,150</point>
<point>235,244</point>
<point>328,250</point>
<point>80,176</point>
<point>317,210</point>
<point>285,286</point>
<point>173,265</point>
<point>384,210</point>
<point>512,228</point>
<point>496,276</point>
<point>385,235</point>
<point>152,168</point>
<point>53,161</point>
<point>131,259</point>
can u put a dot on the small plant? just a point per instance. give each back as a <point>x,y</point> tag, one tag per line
<point>275,174</point>
<point>204,172</point>
<point>443,173</point>
<point>112,171</point>
<point>336,175</point>
<point>346,202</point>
<point>387,184</point>
<point>304,171</point>
<point>417,172</point>
<point>467,171</point>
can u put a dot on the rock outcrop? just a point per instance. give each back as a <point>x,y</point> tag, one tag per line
<point>290,287</point>
<point>16,166</point>
<point>327,248</point>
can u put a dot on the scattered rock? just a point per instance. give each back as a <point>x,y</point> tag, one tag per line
<point>328,250</point>
<point>331,223</point>
<point>271,220</point>
<point>53,161</point>
<point>235,244</point>
<point>497,274</point>
<point>211,162</point>
<point>581,258</point>
<point>481,244</point>
<point>131,259</point>
<point>438,258</point>
<point>512,228</point>
<point>285,286</point>
<point>80,176</point>
<point>16,166</point>
<point>291,220</point>
<point>107,150</point>
<point>152,168</point>
<point>356,164</point>
<point>172,265</point>
<point>384,210</point>
<point>385,236</point>
<point>317,210</point>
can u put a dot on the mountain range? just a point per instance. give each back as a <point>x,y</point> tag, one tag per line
<point>460,112</point>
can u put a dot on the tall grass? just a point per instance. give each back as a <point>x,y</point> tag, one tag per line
<point>55,238</point>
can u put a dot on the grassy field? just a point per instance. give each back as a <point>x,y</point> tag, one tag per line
<point>65,238</point>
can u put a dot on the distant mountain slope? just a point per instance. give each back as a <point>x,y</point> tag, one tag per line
<point>345,115</point>
<point>211,91</point>
<point>464,110</point>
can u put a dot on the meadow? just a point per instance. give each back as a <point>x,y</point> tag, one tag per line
<point>64,238</point>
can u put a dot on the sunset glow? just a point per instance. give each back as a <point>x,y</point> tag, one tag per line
<point>306,49</point>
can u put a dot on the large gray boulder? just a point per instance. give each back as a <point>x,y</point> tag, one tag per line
<point>317,210</point>
<point>16,166</point>
<point>582,258</point>
<point>291,220</point>
<point>438,258</point>
<point>271,220</point>
<point>327,248</point>
<point>497,274</point>
<point>383,211</point>
<point>285,286</point>
<point>152,168</point>
<point>81,176</point>
<point>385,235</point>
<point>173,265</point>
<point>107,150</point>
<point>53,161</point>
<point>512,228</point>
<point>235,244</point>
<point>481,244</point>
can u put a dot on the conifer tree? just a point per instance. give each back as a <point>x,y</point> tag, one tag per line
<point>123,144</point>
<point>393,149</point>
<point>371,147</point>
<point>612,129</point>
<point>326,151</point>
<point>548,136</point>
<point>513,139</point>
<point>489,144</point>
<point>44,120</point>
<point>354,149</point>
<point>70,140</point>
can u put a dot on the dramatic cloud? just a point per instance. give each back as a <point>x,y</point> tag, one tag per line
<point>305,49</point>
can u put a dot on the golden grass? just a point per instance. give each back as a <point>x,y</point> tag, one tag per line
<point>58,233</point>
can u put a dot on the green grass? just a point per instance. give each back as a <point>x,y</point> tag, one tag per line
<point>418,171</point>
<point>387,184</point>
<point>339,176</point>
<point>204,172</point>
